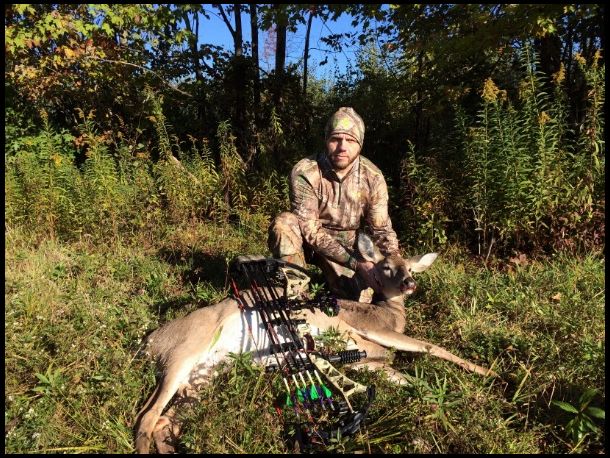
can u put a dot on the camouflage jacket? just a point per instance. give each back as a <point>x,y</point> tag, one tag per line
<point>330,210</point>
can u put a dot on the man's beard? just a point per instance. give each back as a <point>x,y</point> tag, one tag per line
<point>342,164</point>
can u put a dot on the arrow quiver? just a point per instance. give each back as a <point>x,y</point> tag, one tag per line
<point>315,394</point>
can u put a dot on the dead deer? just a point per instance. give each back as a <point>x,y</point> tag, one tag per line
<point>188,348</point>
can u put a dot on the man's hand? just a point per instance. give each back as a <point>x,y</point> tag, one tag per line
<point>367,271</point>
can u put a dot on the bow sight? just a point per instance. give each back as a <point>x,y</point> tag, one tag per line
<point>276,289</point>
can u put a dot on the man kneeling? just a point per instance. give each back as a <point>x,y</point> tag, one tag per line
<point>333,195</point>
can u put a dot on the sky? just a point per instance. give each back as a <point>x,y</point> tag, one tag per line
<point>214,31</point>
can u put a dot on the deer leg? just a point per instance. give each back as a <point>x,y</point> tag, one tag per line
<point>168,386</point>
<point>405,343</point>
<point>166,432</point>
<point>148,402</point>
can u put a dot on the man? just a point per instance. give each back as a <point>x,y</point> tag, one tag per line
<point>333,195</point>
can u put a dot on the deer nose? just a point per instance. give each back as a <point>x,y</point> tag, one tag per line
<point>410,283</point>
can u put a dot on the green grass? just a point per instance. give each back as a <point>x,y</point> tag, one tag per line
<point>76,314</point>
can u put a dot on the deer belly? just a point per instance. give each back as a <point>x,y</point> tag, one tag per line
<point>243,332</point>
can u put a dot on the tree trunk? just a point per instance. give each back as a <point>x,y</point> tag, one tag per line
<point>239,47</point>
<point>236,81</point>
<point>549,50</point>
<point>280,54</point>
<point>419,134</point>
<point>255,64</point>
<point>195,59</point>
<point>193,39</point>
<point>239,79</point>
<point>255,122</point>
<point>306,54</point>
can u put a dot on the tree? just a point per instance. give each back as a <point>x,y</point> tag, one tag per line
<point>255,63</point>
<point>312,13</point>
<point>237,80</point>
<point>281,18</point>
<point>93,57</point>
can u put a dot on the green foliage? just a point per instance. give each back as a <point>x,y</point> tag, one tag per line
<point>424,199</point>
<point>51,382</point>
<point>582,422</point>
<point>119,189</point>
<point>39,176</point>
<point>232,168</point>
<point>525,179</point>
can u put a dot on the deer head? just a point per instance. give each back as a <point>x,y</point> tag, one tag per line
<point>394,271</point>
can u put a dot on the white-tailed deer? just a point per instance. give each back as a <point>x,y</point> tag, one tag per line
<point>188,348</point>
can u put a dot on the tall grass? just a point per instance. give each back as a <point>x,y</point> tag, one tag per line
<point>425,202</point>
<point>525,166</point>
<point>525,178</point>
<point>120,190</point>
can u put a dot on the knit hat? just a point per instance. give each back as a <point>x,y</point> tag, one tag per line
<point>346,121</point>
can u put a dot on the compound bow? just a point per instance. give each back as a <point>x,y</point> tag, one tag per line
<point>275,291</point>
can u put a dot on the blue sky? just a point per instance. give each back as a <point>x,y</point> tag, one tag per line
<point>214,31</point>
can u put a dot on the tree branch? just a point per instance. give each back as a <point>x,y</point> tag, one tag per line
<point>225,19</point>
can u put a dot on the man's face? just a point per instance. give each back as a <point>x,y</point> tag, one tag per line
<point>342,151</point>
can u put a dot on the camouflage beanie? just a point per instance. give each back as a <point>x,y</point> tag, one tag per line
<point>346,121</point>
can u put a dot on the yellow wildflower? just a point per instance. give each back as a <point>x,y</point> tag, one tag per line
<point>597,57</point>
<point>490,90</point>
<point>543,118</point>
<point>580,59</point>
<point>560,75</point>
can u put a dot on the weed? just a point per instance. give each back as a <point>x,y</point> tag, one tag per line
<point>582,422</point>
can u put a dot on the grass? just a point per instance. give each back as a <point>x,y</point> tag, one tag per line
<point>76,314</point>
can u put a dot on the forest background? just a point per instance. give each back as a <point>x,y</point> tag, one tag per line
<point>140,160</point>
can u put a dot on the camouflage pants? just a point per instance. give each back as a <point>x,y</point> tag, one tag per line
<point>286,242</point>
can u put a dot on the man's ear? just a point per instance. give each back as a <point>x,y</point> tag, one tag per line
<point>367,248</point>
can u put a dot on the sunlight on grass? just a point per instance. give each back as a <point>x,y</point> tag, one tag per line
<point>76,314</point>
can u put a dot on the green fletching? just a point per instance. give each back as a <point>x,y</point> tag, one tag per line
<point>327,392</point>
<point>300,396</point>
<point>288,402</point>
<point>313,393</point>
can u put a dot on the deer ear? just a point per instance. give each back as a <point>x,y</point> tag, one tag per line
<point>421,263</point>
<point>367,248</point>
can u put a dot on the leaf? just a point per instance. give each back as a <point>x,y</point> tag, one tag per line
<point>586,397</point>
<point>588,425</point>
<point>42,378</point>
<point>565,406</point>
<point>596,412</point>
<point>106,28</point>
<point>216,337</point>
